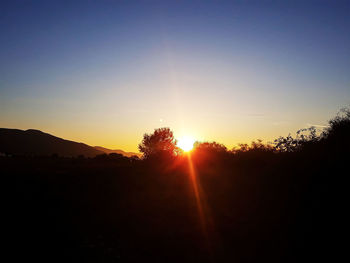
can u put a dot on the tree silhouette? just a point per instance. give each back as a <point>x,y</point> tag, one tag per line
<point>255,146</point>
<point>160,141</point>
<point>291,144</point>
<point>209,147</point>
<point>339,126</point>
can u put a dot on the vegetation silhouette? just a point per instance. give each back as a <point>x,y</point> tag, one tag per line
<point>160,142</point>
<point>278,202</point>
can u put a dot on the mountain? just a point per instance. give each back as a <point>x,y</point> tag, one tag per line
<point>108,151</point>
<point>35,142</point>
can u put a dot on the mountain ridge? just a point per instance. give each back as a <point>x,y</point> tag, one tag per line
<point>36,142</point>
<point>108,151</point>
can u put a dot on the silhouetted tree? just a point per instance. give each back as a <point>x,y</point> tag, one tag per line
<point>209,147</point>
<point>160,141</point>
<point>257,146</point>
<point>291,144</point>
<point>260,146</point>
<point>207,153</point>
<point>339,125</point>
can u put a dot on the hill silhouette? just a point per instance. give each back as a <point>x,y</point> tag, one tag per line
<point>35,142</point>
<point>109,151</point>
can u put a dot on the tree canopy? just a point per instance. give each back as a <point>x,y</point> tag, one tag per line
<point>160,141</point>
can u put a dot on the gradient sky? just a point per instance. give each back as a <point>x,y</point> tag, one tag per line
<point>106,72</point>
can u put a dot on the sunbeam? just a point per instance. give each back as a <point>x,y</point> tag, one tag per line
<point>200,202</point>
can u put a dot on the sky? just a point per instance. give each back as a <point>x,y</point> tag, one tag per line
<point>106,72</point>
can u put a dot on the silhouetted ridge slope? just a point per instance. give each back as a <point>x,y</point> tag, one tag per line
<point>35,142</point>
<point>108,151</point>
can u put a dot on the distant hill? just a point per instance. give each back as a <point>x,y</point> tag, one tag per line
<point>108,151</point>
<point>35,142</point>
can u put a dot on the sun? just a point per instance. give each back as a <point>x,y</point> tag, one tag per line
<point>186,143</point>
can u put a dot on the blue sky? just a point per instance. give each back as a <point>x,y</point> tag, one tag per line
<point>105,72</point>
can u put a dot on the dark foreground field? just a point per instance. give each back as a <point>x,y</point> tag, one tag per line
<point>252,206</point>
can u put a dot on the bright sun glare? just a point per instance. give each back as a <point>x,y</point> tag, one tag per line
<point>186,143</point>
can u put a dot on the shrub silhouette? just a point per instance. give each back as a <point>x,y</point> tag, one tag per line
<point>256,146</point>
<point>291,144</point>
<point>209,147</point>
<point>335,135</point>
<point>339,126</point>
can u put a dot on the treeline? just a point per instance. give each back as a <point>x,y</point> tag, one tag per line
<point>335,137</point>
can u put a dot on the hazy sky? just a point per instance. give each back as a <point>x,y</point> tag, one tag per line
<point>105,72</point>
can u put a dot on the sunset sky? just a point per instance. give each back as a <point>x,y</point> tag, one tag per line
<point>106,72</point>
